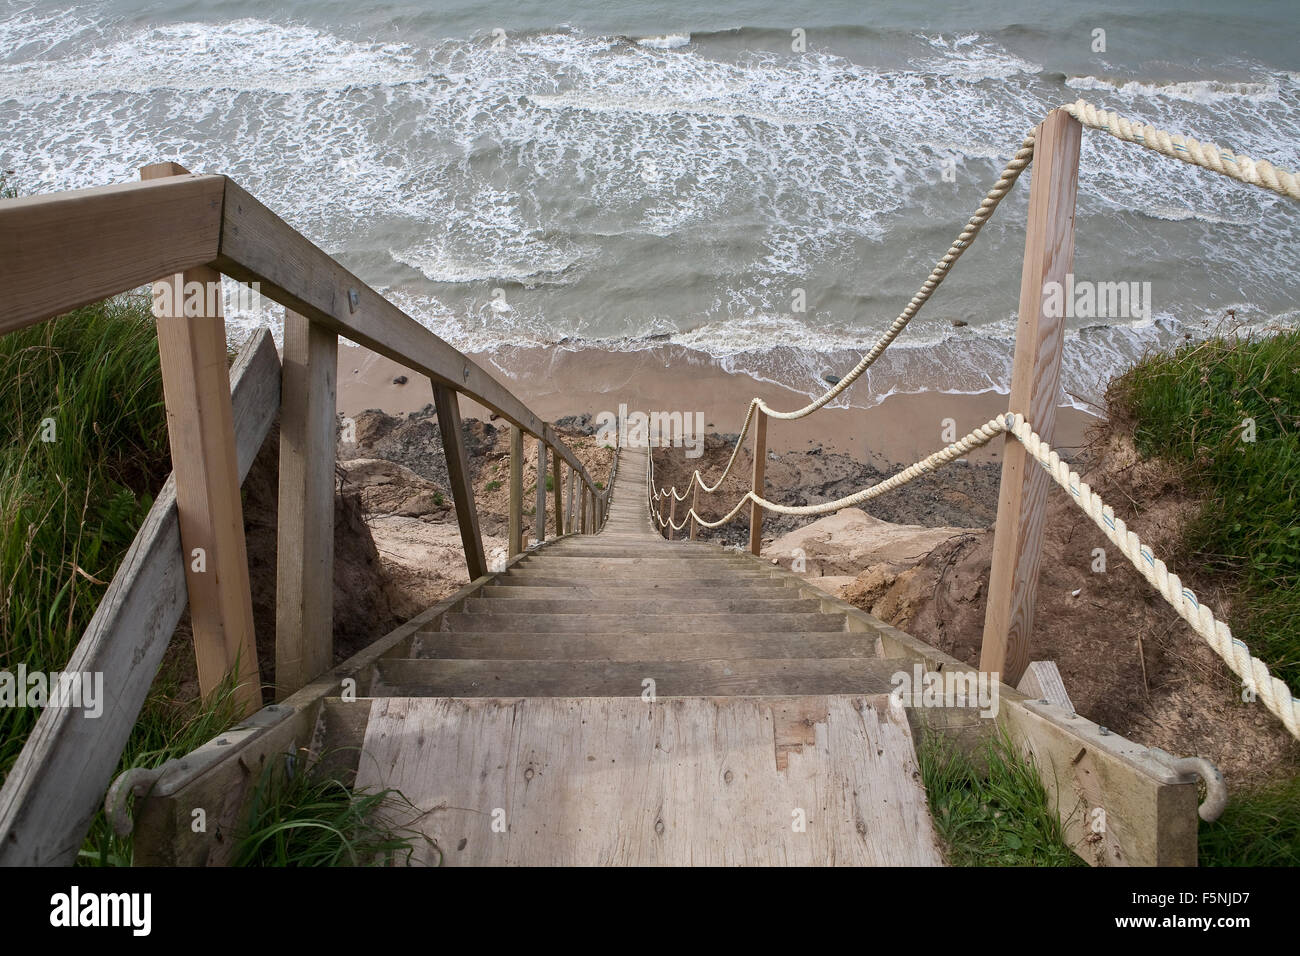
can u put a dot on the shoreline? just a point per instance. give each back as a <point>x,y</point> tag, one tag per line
<point>556,382</point>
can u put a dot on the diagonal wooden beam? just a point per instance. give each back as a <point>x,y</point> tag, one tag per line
<point>458,475</point>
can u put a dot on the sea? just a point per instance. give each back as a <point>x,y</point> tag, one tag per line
<point>766,182</point>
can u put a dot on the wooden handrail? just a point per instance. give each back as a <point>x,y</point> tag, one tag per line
<point>64,250</point>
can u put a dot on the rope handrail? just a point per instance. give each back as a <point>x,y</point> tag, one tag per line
<point>1255,675</point>
<point>1186,149</point>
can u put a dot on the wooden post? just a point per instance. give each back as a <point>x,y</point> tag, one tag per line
<point>557,497</point>
<point>1035,385</point>
<point>304,589</point>
<point>200,426</point>
<point>760,465</point>
<point>695,504</point>
<point>515,520</point>
<point>569,513</point>
<point>585,499</point>
<point>447,404</point>
<point>672,514</point>
<point>539,519</point>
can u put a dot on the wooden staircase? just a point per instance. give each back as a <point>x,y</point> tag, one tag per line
<point>621,699</point>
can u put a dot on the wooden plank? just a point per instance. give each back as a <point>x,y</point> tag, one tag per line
<point>760,467</point>
<point>258,246</point>
<point>59,779</point>
<point>304,617</point>
<point>539,515</point>
<point>447,404</point>
<point>200,427</point>
<point>515,518</point>
<point>682,781</point>
<point>668,645</point>
<point>67,249</point>
<point>1035,386</point>
<point>1042,681</point>
<point>557,490</point>
<point>638,619</point>
<point>568,512</point>
<point>697,678</point>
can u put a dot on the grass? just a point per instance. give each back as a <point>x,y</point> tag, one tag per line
<point>492,486</point>
<point>297,818</point>
<point>1260,828</point>
<point>1191,408</point>
<point>83,442</point>
<point>991,809</point>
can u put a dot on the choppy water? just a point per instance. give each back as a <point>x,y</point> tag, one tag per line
<point>625,172</point>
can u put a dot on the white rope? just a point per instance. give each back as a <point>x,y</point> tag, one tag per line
<point>1273,692</point>
<point>1224,161</point>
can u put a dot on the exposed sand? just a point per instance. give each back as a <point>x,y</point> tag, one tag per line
<point>558,381</point>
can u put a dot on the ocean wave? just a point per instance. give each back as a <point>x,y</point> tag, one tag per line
<point>1191,91</point>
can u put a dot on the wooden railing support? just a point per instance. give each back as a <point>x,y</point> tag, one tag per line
<point>695,504</point>
<point>672,515</point>
<point>569,513</point>
<point>539,519</point>
<point>1035,386</point>
<point>447,404</point>
<point>515,520</point>
<point>557,494</point>
<point>200,426</point>
<point>304,615</point>
<point>760,466</point>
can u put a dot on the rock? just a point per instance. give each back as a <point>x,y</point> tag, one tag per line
<point>959,323</point>
<point>831,379</point>
<point>386,487</point>
<point>400,380</point>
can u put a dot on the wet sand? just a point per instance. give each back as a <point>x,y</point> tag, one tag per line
<point>556,382</point>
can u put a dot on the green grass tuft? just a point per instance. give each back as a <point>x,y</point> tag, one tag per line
<point>994,815</point>
<point>1257,829</point>
<point>70,507</point>
<point>296,818</point>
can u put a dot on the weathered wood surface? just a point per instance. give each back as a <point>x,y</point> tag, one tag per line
<point>539,510</point>
<point>60,777</point>
<point>613,781</point>
<point>1035,388</point>
<point>447,405</point>
<point>201,433</point>
<point>515,519</point>
<point>68,249</point>
<point>760,468</point>
<point>304,617</point>
<point>606,678</point>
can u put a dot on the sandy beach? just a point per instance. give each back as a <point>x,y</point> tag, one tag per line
<point>559,381</point>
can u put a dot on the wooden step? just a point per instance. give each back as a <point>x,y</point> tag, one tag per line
<point>406,677</point>
<point>598,603</point>
<point>660,582</point>
<point>611,780</point>
<point>642,646</point>
<point>631,621</point>
<point>651,592</point>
